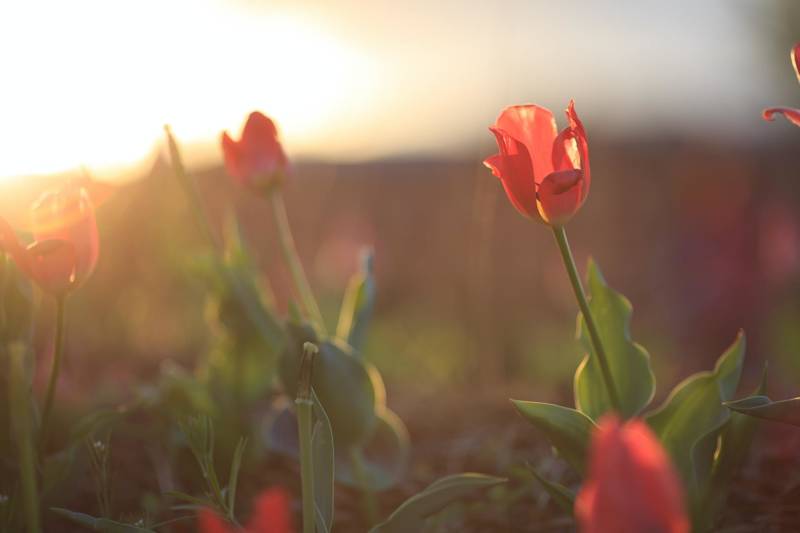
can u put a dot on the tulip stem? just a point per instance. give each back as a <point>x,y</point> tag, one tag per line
<point>580,295</point>
<point>54,371</point>
<point>304,403</point>
<point>292,259</point>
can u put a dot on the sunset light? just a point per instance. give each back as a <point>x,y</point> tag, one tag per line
<point>95,81</point>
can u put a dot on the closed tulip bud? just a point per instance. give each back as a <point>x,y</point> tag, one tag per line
<point>544,173</point>
<point>256,161</point>
<point>271,514</point>
<point>66,246</point>
<point>632,486</point>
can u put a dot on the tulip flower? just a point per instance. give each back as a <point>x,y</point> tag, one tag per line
<point>544,173</point>
<point>631,486</point>
<point>66,245</point>
<point>792,115</point>
<point>257,160</point>
<point>271,514</point>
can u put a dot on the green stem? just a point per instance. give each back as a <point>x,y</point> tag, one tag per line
<point>580,295</point>
<point>369,503</point>
<point>54,371</point>
<point>292,259</point>
<point>305,404</point>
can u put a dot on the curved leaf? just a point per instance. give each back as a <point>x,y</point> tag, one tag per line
<point>629,362</point>
<point>356,310</point>
<point>786,411</point>
<point>564,497</point>
<point>412,513</point>
<point>568,430</point>
<point>690,419</point>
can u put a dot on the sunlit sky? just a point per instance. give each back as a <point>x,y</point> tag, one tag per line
<point>91,82</point>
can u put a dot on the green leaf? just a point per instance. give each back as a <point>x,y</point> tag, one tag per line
<point>342,383</point>
<point>786,411</point>
<point>323,453</point>
<point>99,524</point>
<point>411,515</point>
<point>564,497</point>
<point>691,418</point>
<point>233,478</point>
<point>733,446</point>
<point>356,310</point>
<point>567,430</point>
<point>629,362</point>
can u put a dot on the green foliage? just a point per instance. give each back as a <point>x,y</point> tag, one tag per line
<point>692,417</point>
<point>356,310</point>
<point>564,497</point>
<point>568,430</point>
<point>342,382</point>
<point>412,514</point>
<point>629,362</point>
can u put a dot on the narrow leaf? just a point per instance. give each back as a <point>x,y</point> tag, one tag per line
<point>411,514</point>
<point>567,430</point>
<point>564,497</point>
<point>233,478</point>
<point>691,417</point>
<point>356,310</point>
<point>786,411</point>
<point>629,362</point>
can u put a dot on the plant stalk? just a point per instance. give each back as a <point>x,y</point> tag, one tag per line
<point>580,295</point>
<point>54,371</point>
<point>292,259</point>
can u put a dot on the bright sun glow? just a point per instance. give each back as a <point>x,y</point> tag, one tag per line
<point>91,82</point>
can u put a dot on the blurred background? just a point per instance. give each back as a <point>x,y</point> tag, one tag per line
<point>383,108</point>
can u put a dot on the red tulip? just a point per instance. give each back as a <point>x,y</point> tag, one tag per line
<point>631,486</point>
<point>66,246</point>
<point>793,115</point>
<point>271,514</point>
<point>257,160</point>
<point>544,173</point>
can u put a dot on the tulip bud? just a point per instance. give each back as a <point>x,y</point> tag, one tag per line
<point>256,161</point>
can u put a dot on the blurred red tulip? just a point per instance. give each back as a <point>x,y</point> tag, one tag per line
<point>792,115</point>
<point>271,514</point>
<point>632,486</point>
<point>66,246</point>
<point>545,173</point>
<point>257,160</point>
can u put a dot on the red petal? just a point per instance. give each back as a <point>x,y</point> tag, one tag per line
<point>583,147</point>
<point>560,196</point>
<point>565,151</point>
<point>53,265</point>
<point>513,167</point>
<point>792,115</point>
<point>631,485</point>
<point>271,513</point>
<point>795,56</point>
<point>68,214</point>
<point>209,522</point>
<point>534,127</point>
<point>230,154</point>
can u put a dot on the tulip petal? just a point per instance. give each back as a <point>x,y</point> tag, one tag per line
<point>560,196</point>
<point>52,265</point>
<point>68,214</point>
<point>632,485</point>
<point>795,56</point>
<point>565,151</point>
<point>583,147</point>
<point>535,127</point>
<point>513,166</point>
<point>209,522</point>
<point>230,154</point>
<point>271,513</point>
<point>792,115</point>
